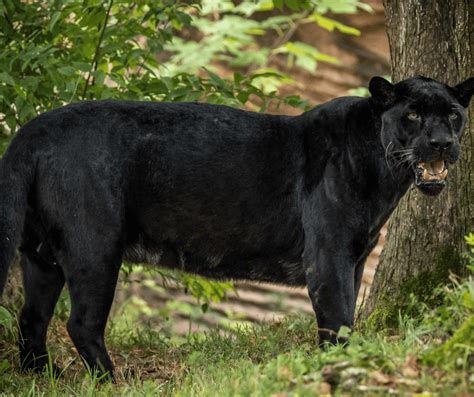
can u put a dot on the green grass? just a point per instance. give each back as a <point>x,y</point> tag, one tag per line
<point>274,359</point>
<point>430,352</point>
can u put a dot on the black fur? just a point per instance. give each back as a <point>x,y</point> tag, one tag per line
<point>211,190</point>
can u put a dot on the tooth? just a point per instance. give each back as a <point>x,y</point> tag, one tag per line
<point>426,175</point>
<point>437,167</point>
<point>438,177</point>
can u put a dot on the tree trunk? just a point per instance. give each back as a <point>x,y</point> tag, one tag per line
<point>425,239</point>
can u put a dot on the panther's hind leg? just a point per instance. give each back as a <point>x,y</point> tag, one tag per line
<point>42,284</point>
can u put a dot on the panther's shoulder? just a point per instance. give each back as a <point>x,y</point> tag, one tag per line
<point>333,116</point>
<point>339,107</point>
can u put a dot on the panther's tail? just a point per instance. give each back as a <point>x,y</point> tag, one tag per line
<point>17,168</point>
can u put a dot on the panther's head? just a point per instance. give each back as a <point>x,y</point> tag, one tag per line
<point>422,126</point>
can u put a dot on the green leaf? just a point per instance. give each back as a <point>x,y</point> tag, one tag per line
<point>215,79</point>
<point>4,366</point>
<point>320,56</point>
<point>54,19</point>
<point>11,122</point>
<point>82,66</point>
<point>6,78</point>
<point>470,239</point>
<point>238,77</point>
<point>293,4</point>
<point>30,83</point>
<point>297,102</point>
<point>331,24</point>
<point>256,31</point>
<point>67,70</point>
<point>340,6</point>
<point>364,6</point>
<point>359,91</point>
<point>468,300</point>
<point>243,97</point>
<point>26,113</point>
<point>306,62</point>
<point>344,332</point>
<point>6,319</point>
<point>99,76</point>
<point>305,56</point>
<point>278,4</point>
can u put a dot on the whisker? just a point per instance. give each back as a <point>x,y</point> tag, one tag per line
<point>415,161</point>
<point>406,149</point>
<point>405,155</point>
<point>399,159</point>
<point>387,149</point>
<point>458,106</point>
<point>406,162</point>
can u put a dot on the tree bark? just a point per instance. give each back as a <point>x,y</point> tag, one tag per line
<point>425,239</point>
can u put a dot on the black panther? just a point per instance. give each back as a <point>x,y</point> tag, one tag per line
<point>215,191</point>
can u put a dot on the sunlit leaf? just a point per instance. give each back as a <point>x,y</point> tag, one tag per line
<point>331,24</point>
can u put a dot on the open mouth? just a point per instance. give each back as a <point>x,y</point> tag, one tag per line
<point>434,171</point>
<point>430,178</point>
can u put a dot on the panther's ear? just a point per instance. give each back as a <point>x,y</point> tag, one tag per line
<point>382,91</point>
<point>463,91</point>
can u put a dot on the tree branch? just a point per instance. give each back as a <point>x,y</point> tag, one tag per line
<point>283,39</point>
<point>95,59</point>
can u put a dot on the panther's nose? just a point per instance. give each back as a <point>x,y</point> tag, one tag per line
<point>441,144</point>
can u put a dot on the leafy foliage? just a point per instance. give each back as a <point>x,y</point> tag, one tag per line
<point>204,290</point>
<point>236,39</point>
<point>469,255</point>
<point>457,317</point>
<point>55,52</point>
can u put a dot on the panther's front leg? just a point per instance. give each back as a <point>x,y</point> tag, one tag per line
<point>330,277</point>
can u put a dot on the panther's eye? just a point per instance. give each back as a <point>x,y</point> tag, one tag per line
<point>413,116</point>
<point>453,116</point>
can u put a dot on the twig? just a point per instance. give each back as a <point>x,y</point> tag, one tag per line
<point>291,31</point>
<point>328,331</point>
<point>7,17</point>
<point>284,38</point>
<point>95,59</point>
